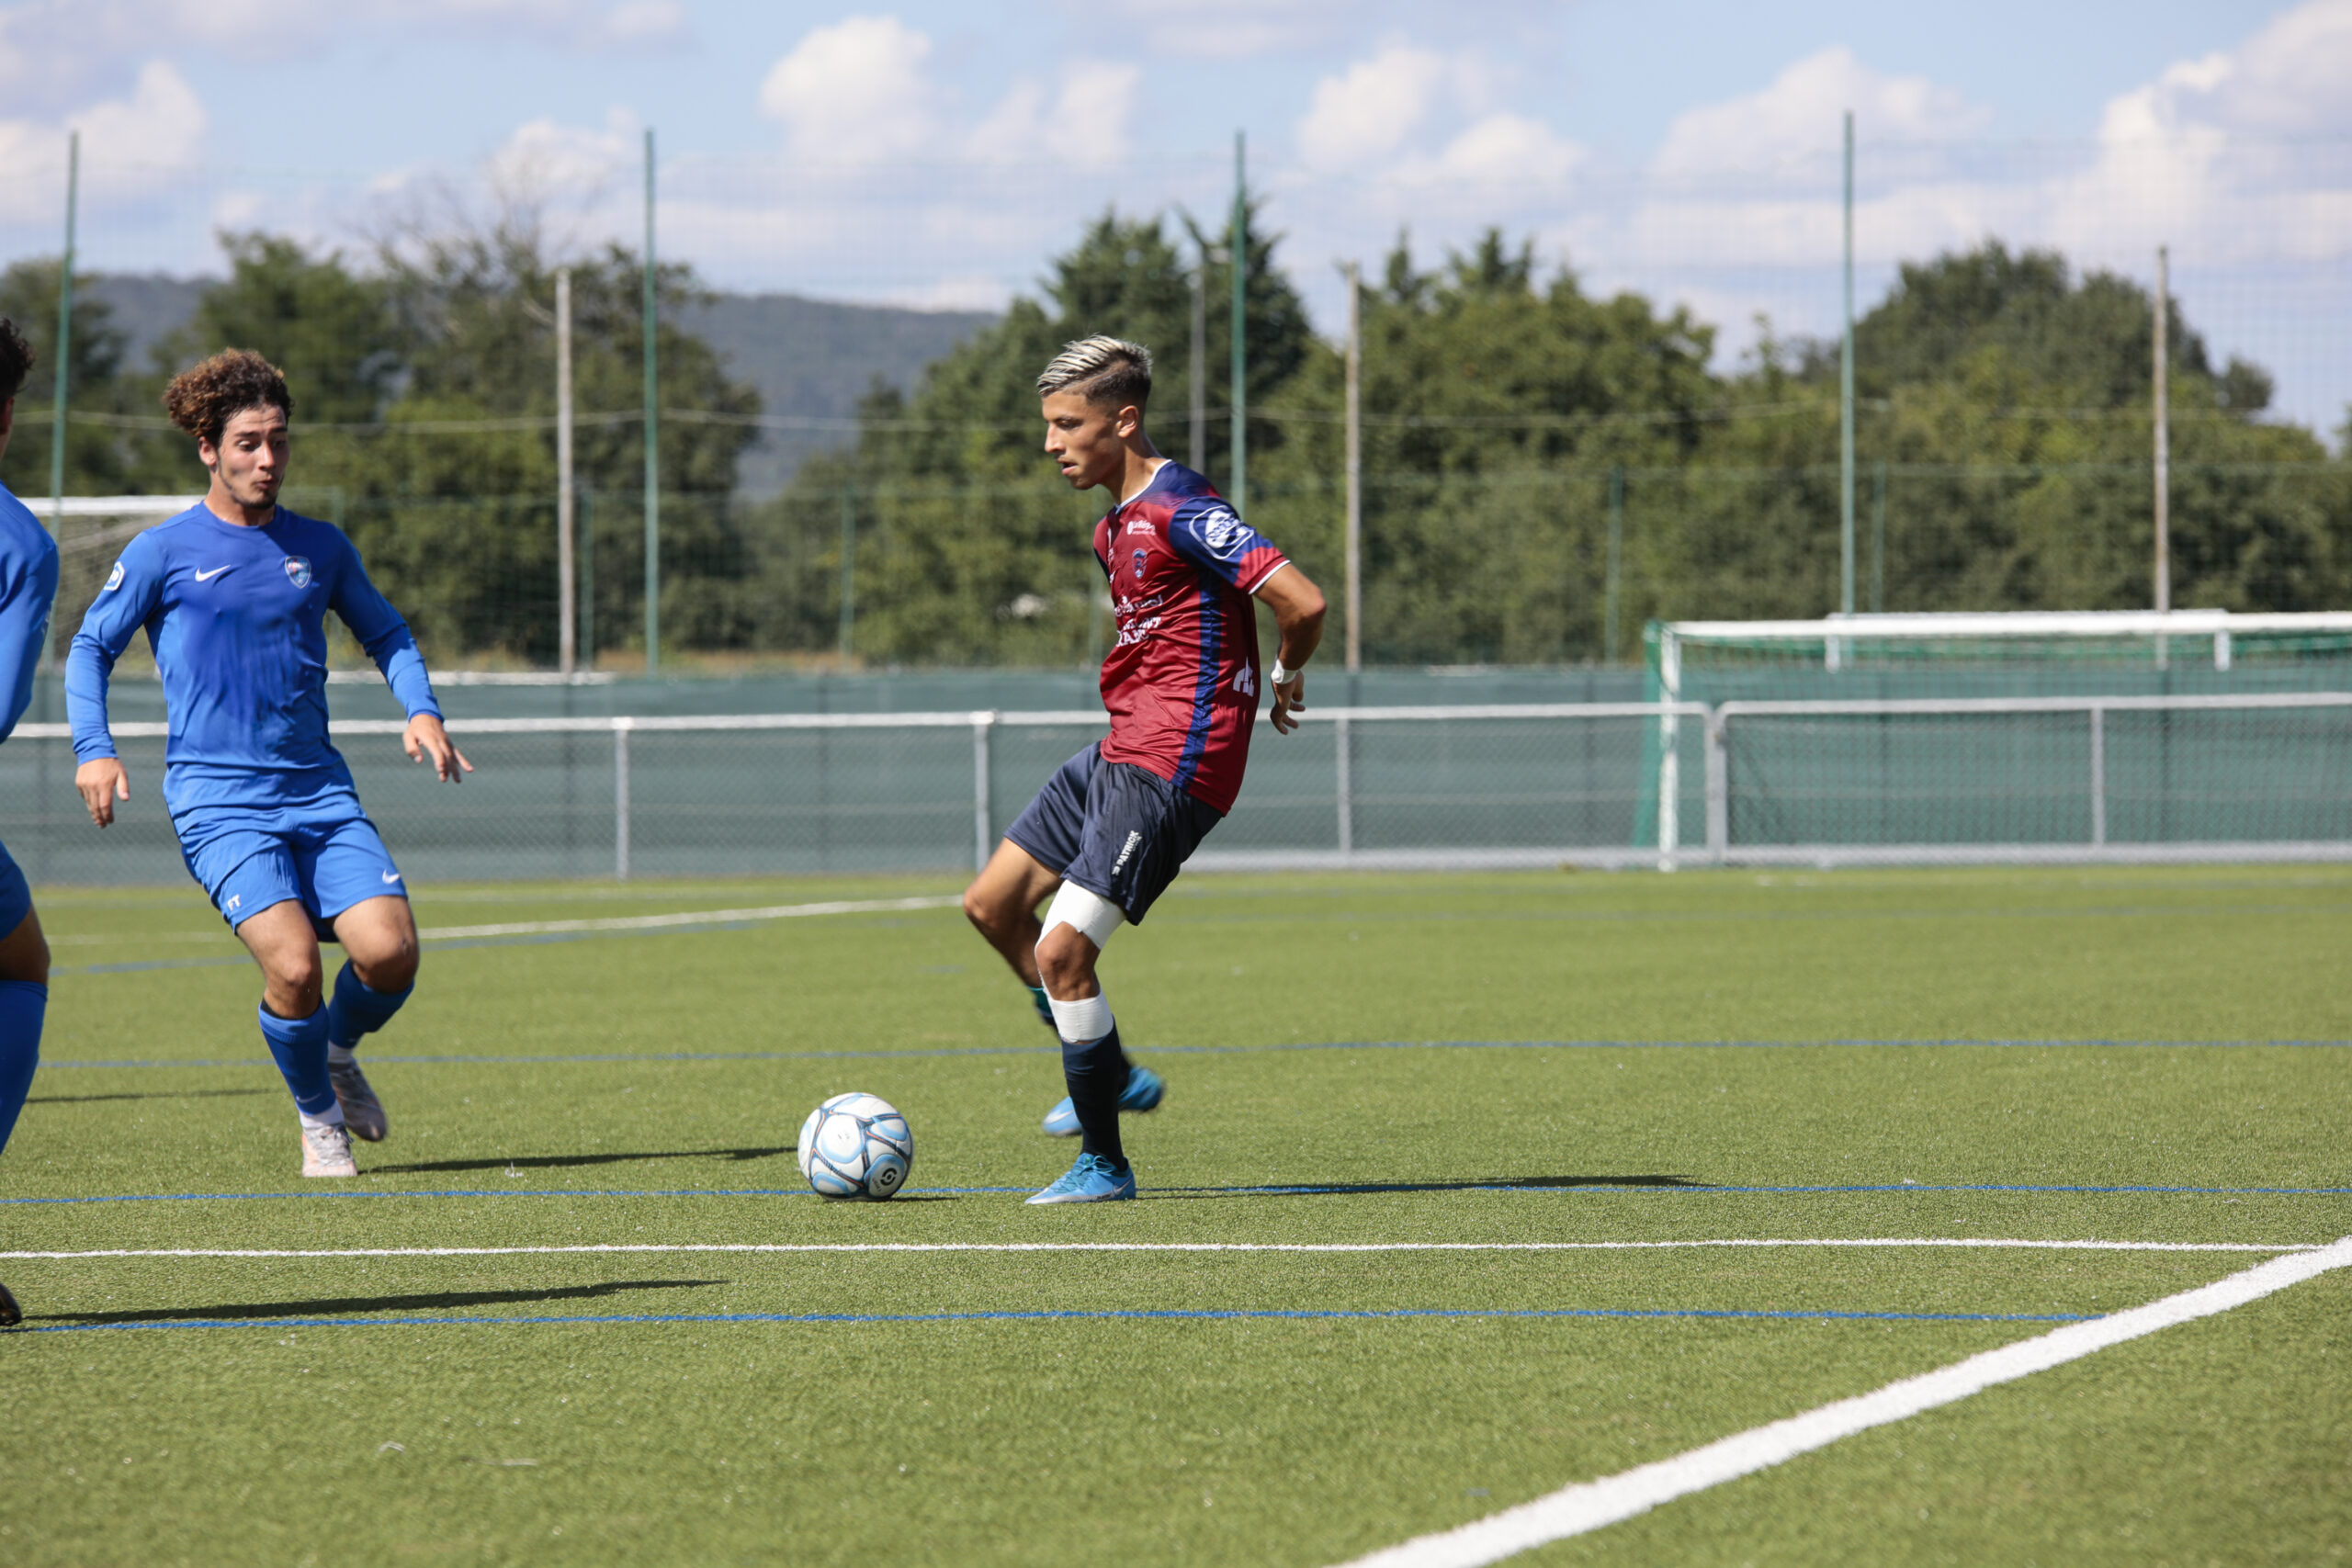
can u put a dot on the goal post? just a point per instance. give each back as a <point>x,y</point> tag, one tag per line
<point>1887,734</point>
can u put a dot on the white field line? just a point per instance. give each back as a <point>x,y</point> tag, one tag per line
<point>696,917</point>
<point>1589,1505</point>
<point>1161,1247</point>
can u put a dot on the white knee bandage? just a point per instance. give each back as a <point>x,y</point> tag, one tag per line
<point>1089,914</point>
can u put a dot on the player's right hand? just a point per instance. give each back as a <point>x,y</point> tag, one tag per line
<point>102,782</point>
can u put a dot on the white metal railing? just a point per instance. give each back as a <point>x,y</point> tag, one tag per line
<point>2094,709</point>
<point>1662,787</point>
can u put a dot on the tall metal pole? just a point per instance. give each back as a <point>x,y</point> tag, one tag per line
<point>1355,468</point>
<point>1613,582</point>
<point>1198,381</point>
<point>64,337</point>
<point>2164,437</point>
<point>652,439</point>
<point>567,602</point>
<point>1239,259</point>
<point>1846,403</point>
<point>849,572</point>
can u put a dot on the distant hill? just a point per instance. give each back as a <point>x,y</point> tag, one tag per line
<point>809,357</point>
<point>814,359</point>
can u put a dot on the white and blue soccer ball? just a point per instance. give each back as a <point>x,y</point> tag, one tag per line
<point>856,1145</point>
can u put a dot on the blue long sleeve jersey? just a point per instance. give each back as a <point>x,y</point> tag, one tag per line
<point>237,619</point>
<point>27,588</point>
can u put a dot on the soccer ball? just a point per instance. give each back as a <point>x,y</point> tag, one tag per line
<point>855,1145</point>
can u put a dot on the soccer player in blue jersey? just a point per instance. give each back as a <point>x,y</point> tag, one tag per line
<point>233,594</point>
<point>27,584</point>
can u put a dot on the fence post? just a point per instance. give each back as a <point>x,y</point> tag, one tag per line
<point>982,809</point>
<point>621,726</point>
<point>2099,775</point>
<point>1347,787</point>
<point>1718,789</point>
<point>1669,761</point>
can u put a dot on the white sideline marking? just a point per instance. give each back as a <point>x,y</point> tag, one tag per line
<point>1159,1247</point>
<point>1589,1504</point>
<point>696,917</point>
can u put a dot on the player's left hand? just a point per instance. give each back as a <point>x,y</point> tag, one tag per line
<point>1290,700</point>
<point>425,734</point>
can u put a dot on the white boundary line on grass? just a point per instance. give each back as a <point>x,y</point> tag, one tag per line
<point>1589,1505</point>
<point>696,917</point>
<point>1160,1247</point>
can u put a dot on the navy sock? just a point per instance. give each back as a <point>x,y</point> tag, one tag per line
<point>1096,1072</point>
<point>300,1046</point>
<point>23,1004</point>
<point>358,1008</point>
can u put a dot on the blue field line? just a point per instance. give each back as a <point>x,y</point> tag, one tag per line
<point>1694,1190</point>
<point>1276,1315</point>
<point>393,1058</point>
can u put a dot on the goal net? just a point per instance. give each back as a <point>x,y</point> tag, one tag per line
<point>2024,736</point>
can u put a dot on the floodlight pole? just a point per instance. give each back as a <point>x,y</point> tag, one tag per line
<point>2163,439</point>
<point>652,437</point>
<point>65,361</point>
<point>64,337</point>
<point>1846,403</point>
<point>1198,382</point>
<point>567,603</point>
<point>1355,468</point>
<point>1237,258</point>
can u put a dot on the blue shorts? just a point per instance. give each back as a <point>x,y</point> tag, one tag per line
<point>1118,831</point>
<point>327,856</point>
<point>16,895</point>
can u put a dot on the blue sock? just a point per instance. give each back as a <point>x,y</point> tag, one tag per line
<point>358,1008</point>
<point>23,1004</point>
<point>1096,1072</point>
<point>1044,1004</point>
<point>300,1046</point>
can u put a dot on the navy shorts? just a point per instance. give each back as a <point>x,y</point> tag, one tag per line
<point>15,897</point>
<point>1117,831</point>
<point>324,855</point>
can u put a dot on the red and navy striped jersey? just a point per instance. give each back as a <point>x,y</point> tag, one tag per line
<point>1182,681</point>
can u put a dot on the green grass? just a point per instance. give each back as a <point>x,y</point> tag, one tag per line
<point>1737,1057</point>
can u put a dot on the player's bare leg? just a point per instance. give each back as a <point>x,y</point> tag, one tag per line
<point>24,972</point>
<point>379,937</point>
<point>1001,903</point>
<point>294,1025</point>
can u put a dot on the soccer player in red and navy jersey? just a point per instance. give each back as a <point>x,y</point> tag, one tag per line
<point>1113,825</point>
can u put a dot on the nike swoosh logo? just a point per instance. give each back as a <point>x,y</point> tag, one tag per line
<point>392,876</point>
<point>208,576</point>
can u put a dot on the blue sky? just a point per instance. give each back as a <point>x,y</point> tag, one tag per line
<point>937,153</point>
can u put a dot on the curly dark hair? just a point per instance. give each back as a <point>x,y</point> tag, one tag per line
<point>16,359</point>
<point>205,397</point>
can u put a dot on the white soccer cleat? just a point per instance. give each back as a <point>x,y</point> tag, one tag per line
<point>362,1112</point>
<point>326,1151</point>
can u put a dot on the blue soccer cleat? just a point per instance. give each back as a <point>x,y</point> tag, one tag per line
<point>1142,1093</point>
<point>1093,1179</point>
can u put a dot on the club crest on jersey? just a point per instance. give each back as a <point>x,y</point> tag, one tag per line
<point>114,578</point>
<point>1138,562</point>
<point>297,571</point>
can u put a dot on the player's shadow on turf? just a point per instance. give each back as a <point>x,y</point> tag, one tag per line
<point>1485,1184</point>
<point>442,1300</point>
<point>552,1162</point>
<point>161,1094</point>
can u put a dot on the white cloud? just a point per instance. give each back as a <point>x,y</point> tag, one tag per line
<point>54,53</point>
<point>1368,110</point>
<point>854,91</point>
<point>1083,124</point>
<point>2293,78</point>
<point>1796,119</point>
<point>131,145</point>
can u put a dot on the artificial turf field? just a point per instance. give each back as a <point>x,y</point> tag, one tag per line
<point>2157,1055</point>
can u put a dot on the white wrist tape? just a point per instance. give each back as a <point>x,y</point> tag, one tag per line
<point>1280,676</point>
